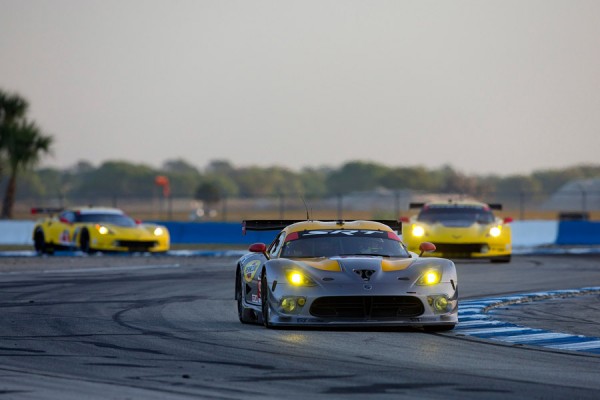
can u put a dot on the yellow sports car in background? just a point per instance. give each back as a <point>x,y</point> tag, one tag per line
<point>459,229</point>
<point>91,229</point>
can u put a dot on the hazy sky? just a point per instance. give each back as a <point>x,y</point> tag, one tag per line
<point>485,86</point>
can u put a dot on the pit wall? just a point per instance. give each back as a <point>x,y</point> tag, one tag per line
<point>530,233</point>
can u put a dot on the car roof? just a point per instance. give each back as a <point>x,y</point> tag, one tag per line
<point>333,225</point>
<point>97,210</point>
<point>456,203</point>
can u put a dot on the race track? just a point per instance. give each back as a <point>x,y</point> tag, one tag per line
<point>166,327</point>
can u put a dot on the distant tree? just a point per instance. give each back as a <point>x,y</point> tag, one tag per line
<point>208,192</point>
<point>183,177</point>
<point>24,144</point>
<point>117,179</point>
<point>314,181</point>
<point>179,166</point>
<point>219,167</point>
<point>81,167</point>
<point>12,108</point>
<point>356,176</point>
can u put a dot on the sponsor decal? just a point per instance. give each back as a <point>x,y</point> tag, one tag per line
<point>250,270</point>
<point>367,287</point>
<point>346,232</point>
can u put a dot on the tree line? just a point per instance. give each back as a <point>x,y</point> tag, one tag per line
<point>220,179</point>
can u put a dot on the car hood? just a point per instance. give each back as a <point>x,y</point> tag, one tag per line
<point>137,232</point>
<point>336,264</point>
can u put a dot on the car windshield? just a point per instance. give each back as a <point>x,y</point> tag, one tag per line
<point>106,218</point>
<point>328,243</point>
<point>470,215</point>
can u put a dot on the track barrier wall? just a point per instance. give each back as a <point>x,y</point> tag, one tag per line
<point>525,233</point>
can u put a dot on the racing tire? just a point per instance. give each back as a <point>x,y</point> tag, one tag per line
<point>498,260</point>
<point>438,328</point>
<point>84,242</point>
<point>264,297</point>
<point>245,315</point>
<point>40,245</point>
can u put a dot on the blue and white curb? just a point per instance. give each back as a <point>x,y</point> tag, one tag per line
<point>473,320</point>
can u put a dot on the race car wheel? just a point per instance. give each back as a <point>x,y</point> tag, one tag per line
<point>505,259</point>
<point>438,328</point>
<point>39,242</point>
<point>264,296</point>
<point>245,315</point>
<point>84,242</point>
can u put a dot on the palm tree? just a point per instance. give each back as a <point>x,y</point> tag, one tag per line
<point>12,108</point>
<point>24,144</point>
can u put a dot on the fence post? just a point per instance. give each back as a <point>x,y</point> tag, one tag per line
<point>521,205</point>
<point>281,205</point>
<point>224,209</point>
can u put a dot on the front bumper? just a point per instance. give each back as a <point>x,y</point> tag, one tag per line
<point>152,245</point>
<point>466,250</point>
<point>382,305</point>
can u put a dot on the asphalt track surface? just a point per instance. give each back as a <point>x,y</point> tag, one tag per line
<point>167,328</point>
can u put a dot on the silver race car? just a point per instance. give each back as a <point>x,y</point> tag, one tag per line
<point>343,273</point>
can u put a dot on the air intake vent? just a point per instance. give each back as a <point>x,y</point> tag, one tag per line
<point>367,307</point>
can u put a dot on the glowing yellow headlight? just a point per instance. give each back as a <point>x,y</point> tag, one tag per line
<point>288,304</point>
<point>418,231</point>
<point>158,231</point>
<point>495,231</point>
<point>296,278</point>
<point>430,278</point>
<point>102,229</point>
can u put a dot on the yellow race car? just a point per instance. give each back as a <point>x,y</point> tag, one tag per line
<point>92,229</point>
<point>460,229</point>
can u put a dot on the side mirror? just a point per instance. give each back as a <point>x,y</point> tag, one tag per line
<point>426,247</point>
<point>258,248</point>
<point>508,220</point>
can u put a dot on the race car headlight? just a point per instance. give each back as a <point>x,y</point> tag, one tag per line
<point>292,304</point>
<point>158,231</point>
<point>299,279</point>
<point>103,230</point>
<point>431,277</point>
<point>418,231</point>
<point>441,304</point>
<point>495,231</point>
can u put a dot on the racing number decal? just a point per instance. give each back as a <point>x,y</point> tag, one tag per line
<point>250,270</point>
<point>65,237</point>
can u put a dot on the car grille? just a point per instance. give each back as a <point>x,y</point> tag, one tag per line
<point>462,248</point>
<point>371,307</point>
<point>136,245</point>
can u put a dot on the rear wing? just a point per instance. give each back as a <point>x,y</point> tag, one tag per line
<point>279,224</point>
<point>46,210</point>
<point>493,206</point>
